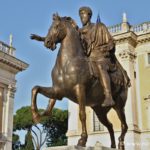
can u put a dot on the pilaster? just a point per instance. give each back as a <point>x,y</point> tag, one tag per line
<point>126,55</point>
<point>9,115</point>
<point>73,119</point>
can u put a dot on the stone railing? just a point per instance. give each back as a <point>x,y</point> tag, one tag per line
<point>141,27</point>
<point>7,49</point>
<point>115,28</point>
<point>138,29</point>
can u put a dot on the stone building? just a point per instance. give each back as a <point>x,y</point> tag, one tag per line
<point>133,52</point>
<point>9,67</point>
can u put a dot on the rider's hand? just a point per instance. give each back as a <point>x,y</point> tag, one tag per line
<point>34,36</point>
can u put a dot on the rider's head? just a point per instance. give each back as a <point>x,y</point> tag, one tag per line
<point>85,15</point>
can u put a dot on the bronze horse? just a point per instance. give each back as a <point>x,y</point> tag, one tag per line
<point>72,79</point>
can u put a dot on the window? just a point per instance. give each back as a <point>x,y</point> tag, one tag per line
<point>1,107</point>
<point>148,58</point>
<point>97,125</point>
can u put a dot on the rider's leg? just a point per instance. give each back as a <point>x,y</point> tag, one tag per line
<point>104,78</point>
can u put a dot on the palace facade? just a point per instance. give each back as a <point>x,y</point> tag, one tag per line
<point>9,67</point>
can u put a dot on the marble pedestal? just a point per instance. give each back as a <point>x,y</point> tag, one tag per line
<point>78,148</point>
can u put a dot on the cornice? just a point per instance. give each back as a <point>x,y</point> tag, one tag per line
<point>129,37</point>
<point>132,38</point>
<point>143,38</point>
<point>12,62</point>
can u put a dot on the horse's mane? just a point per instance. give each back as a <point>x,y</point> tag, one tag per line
<point>70,20</point>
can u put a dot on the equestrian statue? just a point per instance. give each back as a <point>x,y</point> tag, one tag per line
<point>86,72</point>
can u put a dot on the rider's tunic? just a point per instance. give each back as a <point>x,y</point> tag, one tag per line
<point>99,48</point>
<point>98,45</point>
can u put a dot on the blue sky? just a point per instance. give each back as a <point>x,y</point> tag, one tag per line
<point>23,17</point>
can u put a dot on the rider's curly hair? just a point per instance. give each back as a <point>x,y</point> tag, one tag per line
<point>87,9</point>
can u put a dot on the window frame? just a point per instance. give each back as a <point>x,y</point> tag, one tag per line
<point>147,59</point>
<point>97,125</point>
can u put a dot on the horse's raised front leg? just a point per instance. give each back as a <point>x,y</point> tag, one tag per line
<point>80,95</point>
<point>124,127</point>
<point>49,92</point>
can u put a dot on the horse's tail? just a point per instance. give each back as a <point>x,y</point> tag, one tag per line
<point>127,81</point>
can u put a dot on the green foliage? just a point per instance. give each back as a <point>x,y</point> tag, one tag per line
<point>23,119</point>
<point>56,127</point>
<point>15,142</point>
<point>15,138</point>
<point>28,141</point>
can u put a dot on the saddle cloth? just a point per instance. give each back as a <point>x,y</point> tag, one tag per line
<point>115,73</point>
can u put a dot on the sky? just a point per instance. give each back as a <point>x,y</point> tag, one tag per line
<point>23,17</point>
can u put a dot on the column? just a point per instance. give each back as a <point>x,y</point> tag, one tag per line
<point>127,59</point>
<point>2,143</point>
<point>73,126</point>
<point>1,108</point>
<point>9,115</point>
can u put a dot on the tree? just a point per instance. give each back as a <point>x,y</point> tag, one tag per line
<point>57,127</point>
<point>53,127</point>
<point>28,141</point>
<point>23,121</point>
<point>15,142</point>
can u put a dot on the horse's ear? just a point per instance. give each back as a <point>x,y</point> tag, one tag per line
<point>56,16</point>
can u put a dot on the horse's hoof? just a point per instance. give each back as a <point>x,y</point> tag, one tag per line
<point>121,146</point>
<point>113,146</point>
<point>81,142</point>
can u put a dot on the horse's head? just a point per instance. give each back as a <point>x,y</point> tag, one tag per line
<point>58,30</point>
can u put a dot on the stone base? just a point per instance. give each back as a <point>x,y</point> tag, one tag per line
<point>78,148</point>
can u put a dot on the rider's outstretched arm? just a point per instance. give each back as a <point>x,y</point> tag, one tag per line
<point>37,37</point>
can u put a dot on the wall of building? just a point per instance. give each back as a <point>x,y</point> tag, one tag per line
<point>144,74</point>
<point>9,67</point>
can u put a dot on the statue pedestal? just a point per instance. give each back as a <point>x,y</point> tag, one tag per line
<point>78,148</point>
